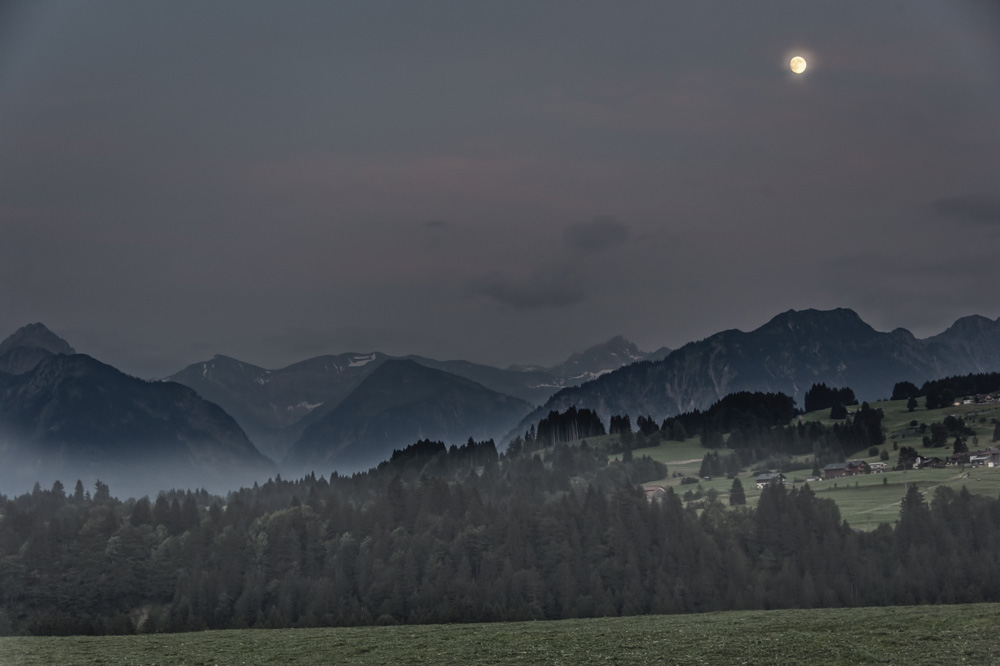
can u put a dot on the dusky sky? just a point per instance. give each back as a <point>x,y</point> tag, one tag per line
<point>505,182</point>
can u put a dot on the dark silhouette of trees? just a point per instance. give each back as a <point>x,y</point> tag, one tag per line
<point>620,425</point>
<point>568,426</point>
<point>904,390</point>
<point>942,392</point>
<point>821,396</point>
<point>737,496</point>
<point>647,426</point>
<point>462,534</point>
<point>744,410</point>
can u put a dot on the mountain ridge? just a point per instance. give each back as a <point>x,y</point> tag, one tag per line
<point>789,353</point>
<point>276,406</point>
<point>400,402</point>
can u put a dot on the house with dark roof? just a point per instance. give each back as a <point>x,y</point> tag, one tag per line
<point>849,468</point>
<point>655,493</point>
<point>767,479</point>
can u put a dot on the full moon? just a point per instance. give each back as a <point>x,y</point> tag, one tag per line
<point>798,64</point>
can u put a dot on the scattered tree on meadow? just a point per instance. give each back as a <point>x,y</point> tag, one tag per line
<point>737,496</point>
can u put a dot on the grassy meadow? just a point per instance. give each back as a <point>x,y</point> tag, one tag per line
<point>914,635</point>
<point>864,501</point>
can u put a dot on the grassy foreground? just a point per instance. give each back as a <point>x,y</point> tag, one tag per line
<point>901,635</point>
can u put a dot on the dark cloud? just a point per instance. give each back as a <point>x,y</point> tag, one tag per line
<point>599,234</point>
<point>544,289</point>
<point>973,209</point>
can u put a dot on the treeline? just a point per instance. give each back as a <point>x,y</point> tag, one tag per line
<point>774,448</point>
<point>744,410</point>
<point>943,392</point>
<point>568,426</point>
<point>821,396</point>
<point>508,542</point>
<point>757,425</point>
<point>84,563</point>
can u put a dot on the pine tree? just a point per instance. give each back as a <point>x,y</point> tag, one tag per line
<point>737,496</point>
<point>141,514</point>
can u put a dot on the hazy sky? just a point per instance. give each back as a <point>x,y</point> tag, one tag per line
<point>503,182</point>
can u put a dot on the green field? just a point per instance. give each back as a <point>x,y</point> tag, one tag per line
<point>897,417</point>
<point>864,501</point>
<point>932,635</point>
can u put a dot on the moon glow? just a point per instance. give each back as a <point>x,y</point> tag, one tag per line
<point>797,64</point>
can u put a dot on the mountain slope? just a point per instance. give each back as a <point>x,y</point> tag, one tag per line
<point>787,354</point>
<point>969,343</point>
<point>399,403</point>
<point>75,416</point>
<point>274,406</point>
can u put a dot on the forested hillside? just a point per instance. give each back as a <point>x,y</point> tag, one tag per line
<point>467,535</point>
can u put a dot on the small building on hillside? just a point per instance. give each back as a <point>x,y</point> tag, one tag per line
<point>849,468</point>
<point>990,457</point>
<point>655,493</point>
<point>958,459</point>
<point>929,463</point>
<point>878,468</point>
<point>768,479</point>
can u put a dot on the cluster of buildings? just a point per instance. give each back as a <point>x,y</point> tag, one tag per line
<point>988,458</point>
<point>831,471</point>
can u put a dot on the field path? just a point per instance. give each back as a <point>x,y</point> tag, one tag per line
<point>922,492</point>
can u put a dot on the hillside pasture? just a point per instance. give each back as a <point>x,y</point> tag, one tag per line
<point>897,418</point>
<point>864,501</point>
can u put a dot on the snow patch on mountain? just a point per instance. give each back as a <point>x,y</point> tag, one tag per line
<point>358,361</point>
<point>304,405</point>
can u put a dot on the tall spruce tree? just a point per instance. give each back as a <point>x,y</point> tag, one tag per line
<point>737,496</point>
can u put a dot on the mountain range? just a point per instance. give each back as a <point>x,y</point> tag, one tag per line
<point>276,407</point>
<point>63,413</point>
<point>789,354</point>
<point>65,416</point>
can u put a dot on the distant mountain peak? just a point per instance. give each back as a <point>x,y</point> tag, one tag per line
<point>36,336</point>
<point>973,323</point>
<point>843,320</point>
<point>398,403</point>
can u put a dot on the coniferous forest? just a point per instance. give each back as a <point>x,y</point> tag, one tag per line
<point>464,534</point>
